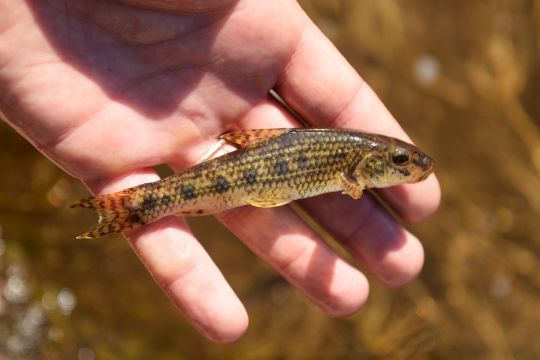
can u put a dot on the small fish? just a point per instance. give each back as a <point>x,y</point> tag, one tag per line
<point>271,168</point>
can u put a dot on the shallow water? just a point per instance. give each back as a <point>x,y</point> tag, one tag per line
<point>462,78</point>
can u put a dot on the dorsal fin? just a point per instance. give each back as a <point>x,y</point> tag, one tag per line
<point>246,137</point>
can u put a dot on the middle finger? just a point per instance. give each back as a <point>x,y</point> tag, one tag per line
<point>291,247</point>
<point>370,234</point>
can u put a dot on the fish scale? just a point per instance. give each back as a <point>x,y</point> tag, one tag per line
<point>273,167</point>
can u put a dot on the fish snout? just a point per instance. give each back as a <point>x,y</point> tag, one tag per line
<point>426,163</point>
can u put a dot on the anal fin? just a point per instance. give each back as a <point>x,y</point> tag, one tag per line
<point>250,136</point>
<point>268,202</point>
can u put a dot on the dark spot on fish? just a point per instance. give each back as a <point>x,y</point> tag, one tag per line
<point>222,185</point>
<point>250,176</point>
<point>188,192</point>
<point>135,218</point>
<point>200,211</point>
<point>166,200</point>
<point>404,171</point>
<point>281,167</point>
<point>303,161</point>
<point>148,202</point>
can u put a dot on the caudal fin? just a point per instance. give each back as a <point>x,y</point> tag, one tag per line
<point>114,214</point>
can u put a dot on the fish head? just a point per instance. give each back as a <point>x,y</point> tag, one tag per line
<point>393,162</point>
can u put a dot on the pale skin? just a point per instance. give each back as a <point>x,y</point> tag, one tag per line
<point>107,90</point>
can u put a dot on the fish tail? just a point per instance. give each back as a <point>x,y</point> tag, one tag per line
<point>114,214</point>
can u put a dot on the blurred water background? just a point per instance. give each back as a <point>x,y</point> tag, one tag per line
<point>462,77</point>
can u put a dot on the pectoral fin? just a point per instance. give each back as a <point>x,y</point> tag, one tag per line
<point>268,202</point>
<point>351,187</point>
<point>246,137</point>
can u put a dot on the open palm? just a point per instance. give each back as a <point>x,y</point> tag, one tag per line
<point>108,90</point>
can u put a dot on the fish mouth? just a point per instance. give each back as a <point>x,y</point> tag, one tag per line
<point>427,164</point>
<point>425,176</point>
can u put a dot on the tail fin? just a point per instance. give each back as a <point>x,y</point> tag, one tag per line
<point>114,214</point>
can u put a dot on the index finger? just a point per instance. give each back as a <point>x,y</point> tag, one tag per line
<point>322,86</point>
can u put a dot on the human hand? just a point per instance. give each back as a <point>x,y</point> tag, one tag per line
<point>109,89</point>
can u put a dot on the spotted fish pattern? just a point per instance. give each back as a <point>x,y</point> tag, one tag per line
<point>271,168</point>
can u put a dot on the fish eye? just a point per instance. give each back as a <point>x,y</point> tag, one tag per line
<point>401,158</point>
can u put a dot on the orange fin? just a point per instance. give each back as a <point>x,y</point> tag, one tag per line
<point>268,202</point>
<point>351,186</point>
<point>114,214</point>
<point>246,137</point>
